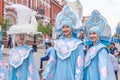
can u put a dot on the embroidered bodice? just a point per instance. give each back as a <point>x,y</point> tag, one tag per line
<point>18,55</point>
<point>64,47</point>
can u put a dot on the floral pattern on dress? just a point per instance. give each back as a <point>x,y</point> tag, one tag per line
<point>16,59</point>
<point>77,71</point>
<point>86,58</point>
<point>80,61</point>
<point>17,56</point>
<point>92,51</point>
<point>2,76</point>
<point>61,42</point>
<point>64,47</point>
<point>22,52</point>
<point>64,50</point>
<point>18,74</point>
<point>29,78</point>
<point>104,72</point>
<point>1,62</point>
<point>71,44</point>
<point>48,70</point>
<point>51,59</point>
<point>31,69</point>
<point>13,53</point>
<point>51,76</point>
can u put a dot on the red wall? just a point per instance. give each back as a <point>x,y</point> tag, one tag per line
<point>1,7</point>
<point>55,9</point>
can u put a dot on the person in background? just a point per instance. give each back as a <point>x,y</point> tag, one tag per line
<point>58,36</point>
<point>13,40</point>
<point>115,64</point>
<point>81,35</point>
<point>47,40</point>
<point>49,51</point>
<point>9,42</point>
<point>113,49</point>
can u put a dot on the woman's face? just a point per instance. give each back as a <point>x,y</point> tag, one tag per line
<point>94,36</point>
<point>66,30</point>
<point>20,38</point>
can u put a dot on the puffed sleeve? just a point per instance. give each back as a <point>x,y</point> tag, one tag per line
<point>49,70</point>
<point>32,68</point>
<point>105,67</point>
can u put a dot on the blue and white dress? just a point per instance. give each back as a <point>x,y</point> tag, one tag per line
<point>98,65</point>
<point>22,64</point>
<point>66,61</point>
<point>3,68</point>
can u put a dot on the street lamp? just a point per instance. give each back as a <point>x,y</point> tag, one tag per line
<point>40,15</point>
<point>35,45</point>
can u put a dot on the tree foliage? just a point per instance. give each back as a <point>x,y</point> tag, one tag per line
<point>4,23</point>
<point>116,35</point>
<point>45,29</point>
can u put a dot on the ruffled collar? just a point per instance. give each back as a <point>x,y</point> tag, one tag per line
<point>92,52</point>
<point>18,55</point>
<point>65,46</point>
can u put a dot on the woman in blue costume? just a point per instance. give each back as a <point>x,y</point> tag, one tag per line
<point>67,60</point>
<point>97,62</point>
<point>21,61</point>
<point>3,67</point>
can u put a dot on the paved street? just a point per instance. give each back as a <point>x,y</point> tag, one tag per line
<point>37,56</point>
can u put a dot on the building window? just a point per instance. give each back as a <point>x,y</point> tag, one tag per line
<point>36,3</point>
<point>31,1</point>
<point>27,3</point>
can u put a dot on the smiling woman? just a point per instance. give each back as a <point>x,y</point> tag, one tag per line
<point>66,61</point>
<point>97,60</point>
<point>67,31</point>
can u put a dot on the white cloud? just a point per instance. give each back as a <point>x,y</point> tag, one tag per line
<point>110,9</point>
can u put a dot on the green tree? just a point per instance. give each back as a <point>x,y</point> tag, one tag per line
<point>41,28</point>
<point>49,29</point>
<point>4,23</point>
<point>116,35</point>
<point>45,29</point>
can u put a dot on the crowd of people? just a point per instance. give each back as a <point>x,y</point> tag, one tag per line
<point>72,56</point>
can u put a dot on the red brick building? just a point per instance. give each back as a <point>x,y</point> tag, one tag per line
<point>1,7</point>
<point>55,9</point>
